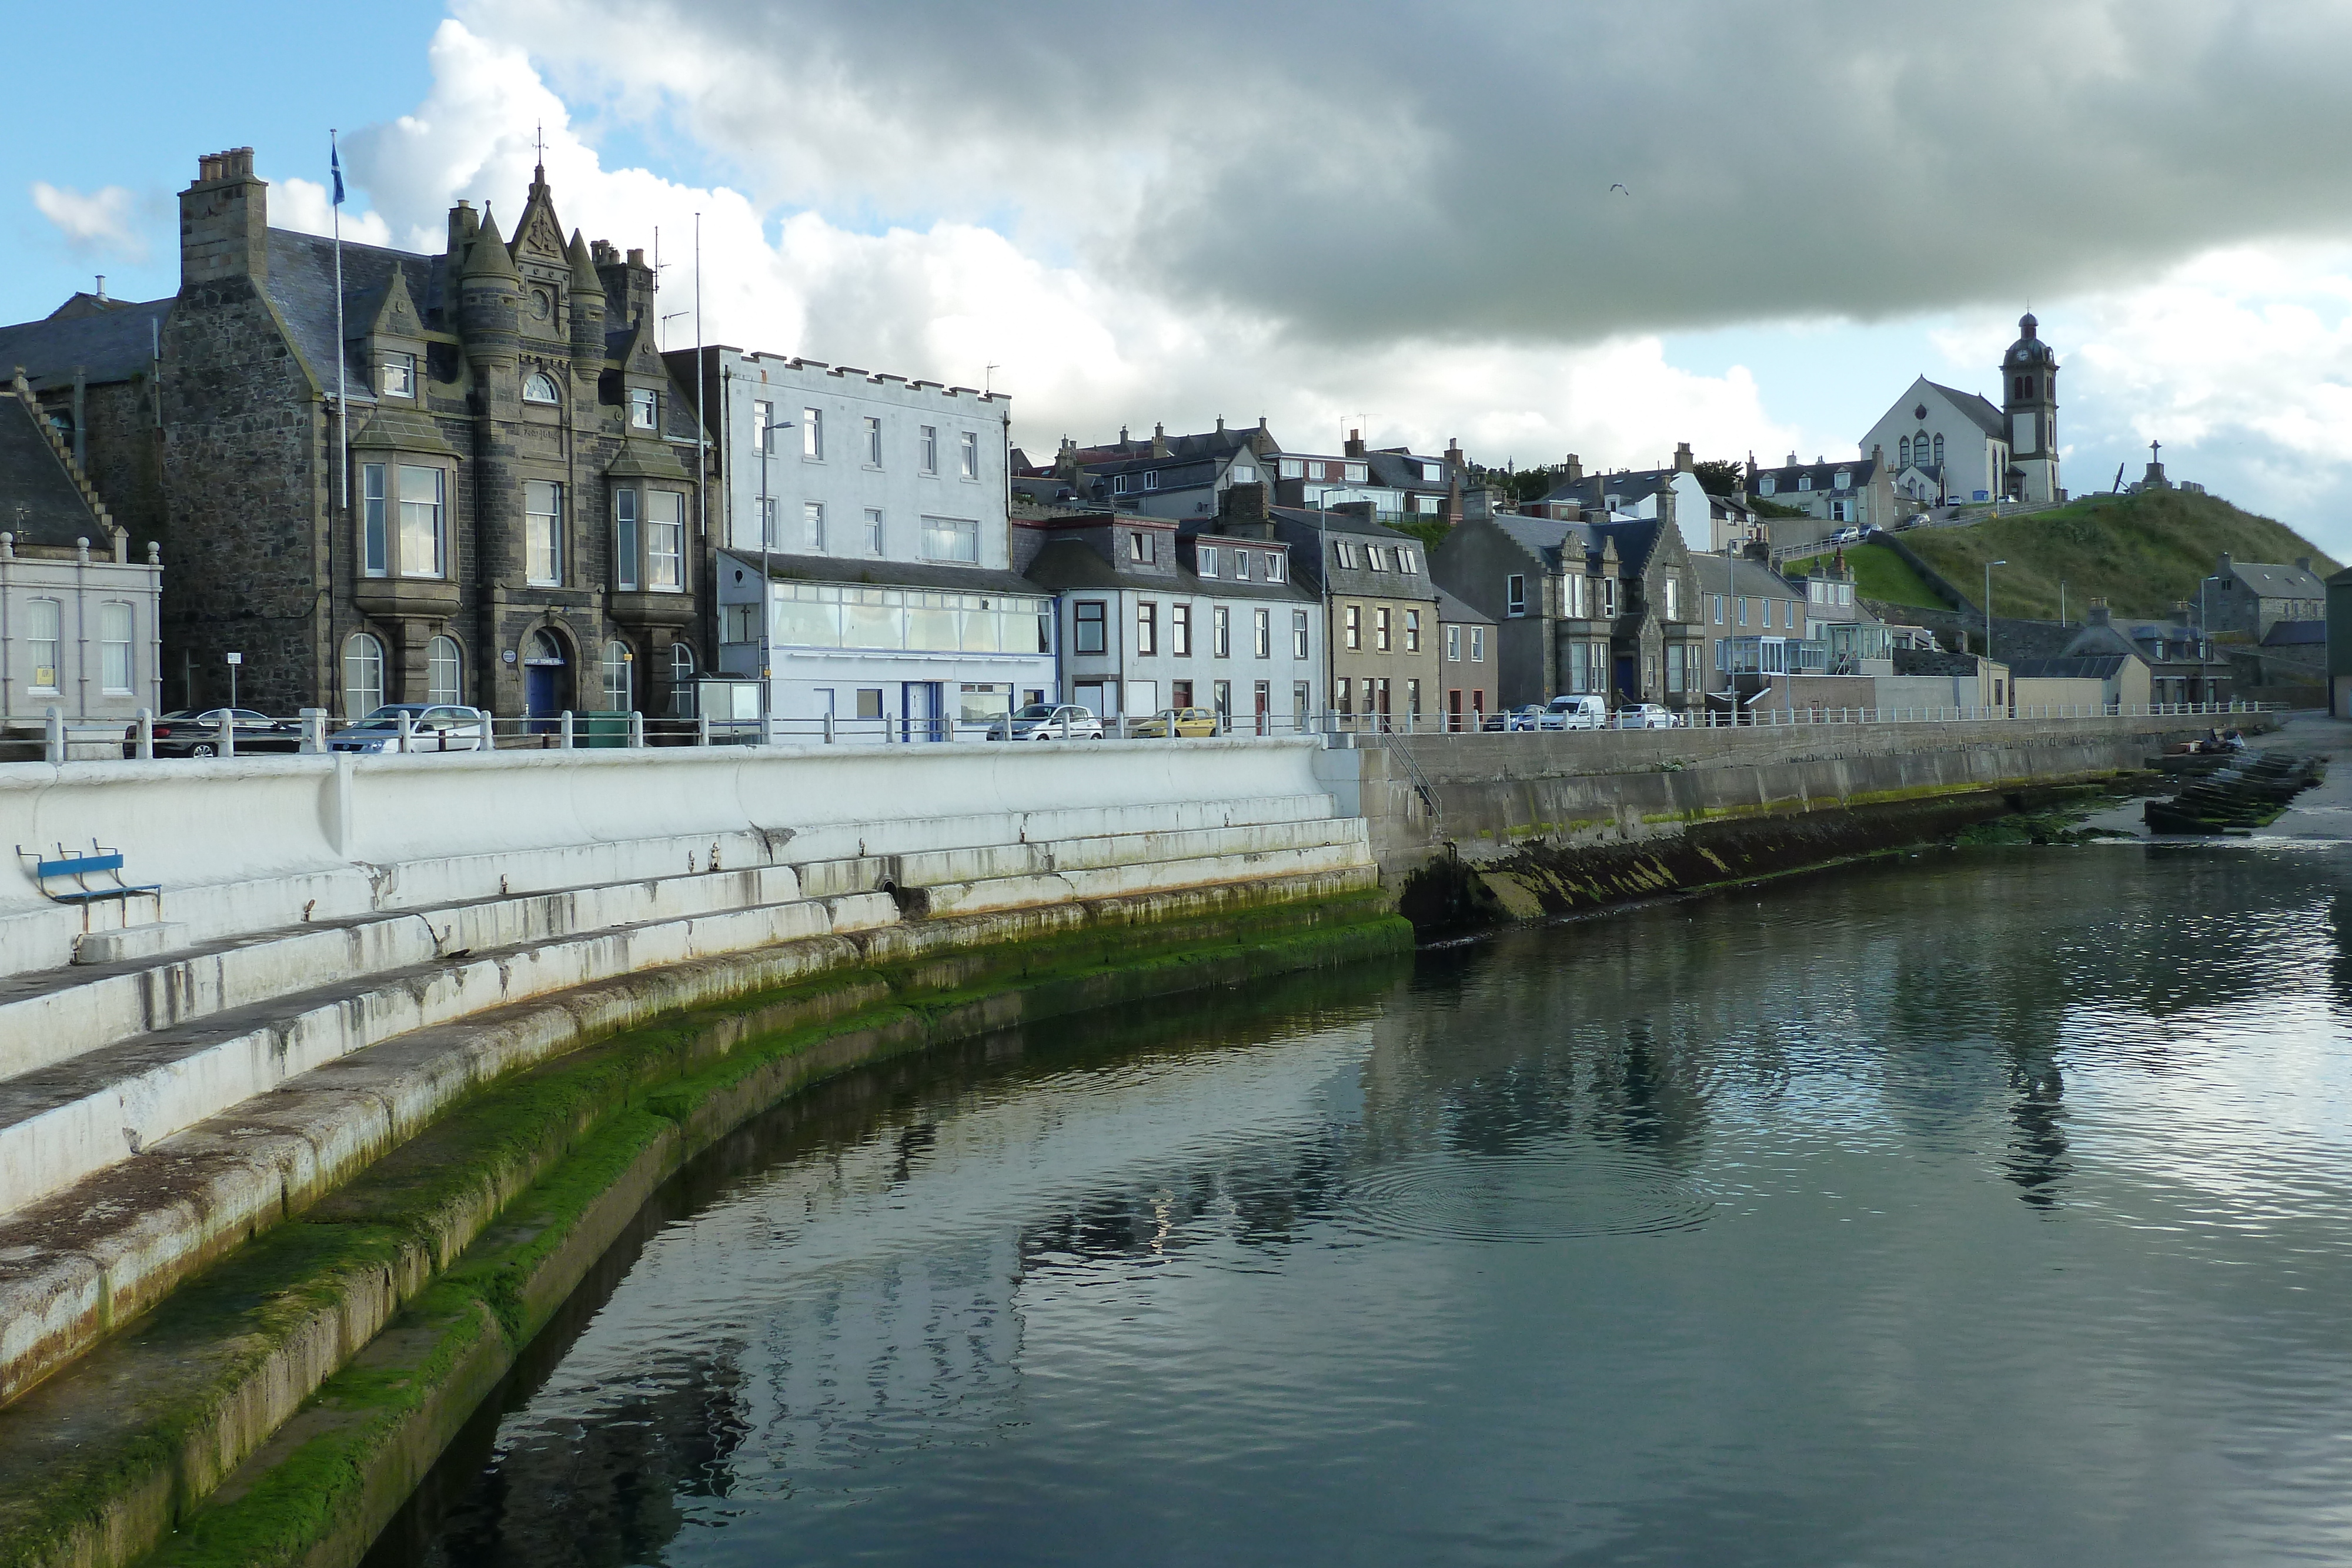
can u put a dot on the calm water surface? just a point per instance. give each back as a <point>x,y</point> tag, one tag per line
<point>1986,1208</point>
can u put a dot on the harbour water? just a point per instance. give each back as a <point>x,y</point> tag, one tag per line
<point>1983,1207</point>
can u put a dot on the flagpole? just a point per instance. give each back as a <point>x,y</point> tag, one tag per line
<point>343,391</point>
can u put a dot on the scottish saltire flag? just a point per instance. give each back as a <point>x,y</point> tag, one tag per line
<point>335,163</point>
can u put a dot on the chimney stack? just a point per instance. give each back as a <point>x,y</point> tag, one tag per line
<point>2302,563</point>
<point>1355,443</point>
<point>1573,469</point>
<point>225,221</point>
<point>2098,615</point>
<point>1684,463</point>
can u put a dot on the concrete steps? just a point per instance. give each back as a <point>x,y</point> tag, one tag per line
<point>91,1255</point>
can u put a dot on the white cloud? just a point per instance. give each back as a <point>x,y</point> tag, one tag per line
<point>297,203</point>
<point>100,224</point>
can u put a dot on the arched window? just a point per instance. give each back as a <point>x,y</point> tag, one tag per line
<point>443,671</point>
<point>1902,453</point>
<point>363,675</point>
<point>681,680</point>
<point>618,691</point>
<point>1939,451</point>
<point>539,387</point>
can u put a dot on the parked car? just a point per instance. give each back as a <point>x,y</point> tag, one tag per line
<point>1647,716</point>
<point>1585,712</point>
<point>195,732</point>
<point>1515,718</point>
<point>1187,721</point>
<point>1047,721</point>
<point>1852,534</point>
<point>434,727</point>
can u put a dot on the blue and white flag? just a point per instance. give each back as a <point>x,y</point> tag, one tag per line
<point>335,163</point>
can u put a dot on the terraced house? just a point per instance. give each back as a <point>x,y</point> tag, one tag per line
<point>474,481</point>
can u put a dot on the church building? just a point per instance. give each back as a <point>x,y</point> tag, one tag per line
<point>1950,448</point>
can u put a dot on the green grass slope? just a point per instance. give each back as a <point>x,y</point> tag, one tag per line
<point>2140,553</point>
<point>1879,573</point>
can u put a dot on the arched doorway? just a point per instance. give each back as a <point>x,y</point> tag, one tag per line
<point>546,679</point>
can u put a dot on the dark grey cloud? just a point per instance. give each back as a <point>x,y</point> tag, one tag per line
<point>1382,170</point>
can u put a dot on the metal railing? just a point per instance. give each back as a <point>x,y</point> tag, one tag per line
<point>314,732</point>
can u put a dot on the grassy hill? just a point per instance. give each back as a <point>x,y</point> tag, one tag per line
<point>1878,573</point>
<point>2140,553</point>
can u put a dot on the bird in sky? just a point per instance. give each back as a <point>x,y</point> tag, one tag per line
<point>1620,188</point>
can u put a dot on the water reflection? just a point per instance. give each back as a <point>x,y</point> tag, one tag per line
<point>1689,1235</point>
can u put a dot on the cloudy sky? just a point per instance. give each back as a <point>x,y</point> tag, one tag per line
<point>1341,215</point>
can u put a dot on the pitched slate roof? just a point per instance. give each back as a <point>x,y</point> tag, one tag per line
<point>1301,526</point>
<point>1988,418</point>
<point>1748,579</point>
<point>1403,470</point>
<point>1066,564</point>
<point>1452,609</point>
<point>1633,485</point>
<point>34,478</point>
<point>1785,479</point>
<point>109,345</point>
<point>1209,443</point>
<point>2278,581</point>
<point>301,285</point>
<point>2081,667</point>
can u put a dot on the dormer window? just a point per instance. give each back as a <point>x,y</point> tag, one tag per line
<point>1207,556</point>
<point>396,375</point>
<point>1844,479</point>
<point>1767,484</point>
<point>1804,481</point>
<point>1138,545</point>
<point>539,387</point>
<point>1273,569</point>
<point>643,406</point>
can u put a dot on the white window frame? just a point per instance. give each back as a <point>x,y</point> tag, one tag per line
<point>364,695</point>
<point>1273,568</point>
<point>926,449</point>
<point>1452,645</point>
<point>554,397</point>
<point>1515,595</point>
<point>1262,633</point>
<point>398,374</point>
<point>964,531</point>
<point>116,664</point>
<point>1298,634</point>
<point>873,530</point>
<point>813,526</point>
<point>971,454</point>
<point>543,543</point>
<point>424,521</point>
<point>665,541</point>
<point>874,441</point>
<point>1206,559</point>
<point>628,540</point>
<point>812,434</point>
<point>1221,631</point>
<point>445,670</point>
<point>375,523</point>
<point>645,409</point>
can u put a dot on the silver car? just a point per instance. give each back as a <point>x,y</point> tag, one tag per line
<point>432,726</point>
<point>1647,716</point>
<point>1047,721</point>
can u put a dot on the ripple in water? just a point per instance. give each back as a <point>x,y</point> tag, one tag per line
<point>1556,1195</point>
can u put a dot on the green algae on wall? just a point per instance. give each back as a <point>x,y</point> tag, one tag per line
<point>483,1223</point>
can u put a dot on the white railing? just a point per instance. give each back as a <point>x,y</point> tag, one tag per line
<point>1770,718</point>
<point>315,732</point>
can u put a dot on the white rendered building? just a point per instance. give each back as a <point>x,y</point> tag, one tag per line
<point>873,507</point>
<point>1965,448</point>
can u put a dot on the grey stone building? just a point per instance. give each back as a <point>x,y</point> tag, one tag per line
<point>517,523</point>
<point>1383,667</point>
<point>2252,598</point>
<point>1585,605</point>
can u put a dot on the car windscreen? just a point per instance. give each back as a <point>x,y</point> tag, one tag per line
<point>1037,710</point>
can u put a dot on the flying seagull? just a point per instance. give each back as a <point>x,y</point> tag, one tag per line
<point>1620,188</point>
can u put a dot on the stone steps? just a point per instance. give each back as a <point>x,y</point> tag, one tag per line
<point>92,1255</point>
<point>257,1014</point>
<point>60,1014</point>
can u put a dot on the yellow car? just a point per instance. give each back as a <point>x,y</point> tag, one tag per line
<point>1187,720</point>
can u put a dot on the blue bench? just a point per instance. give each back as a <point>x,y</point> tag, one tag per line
<point>78,869</point>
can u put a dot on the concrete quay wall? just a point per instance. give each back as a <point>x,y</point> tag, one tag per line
<point>1544,823</point>
<point>253,843</point>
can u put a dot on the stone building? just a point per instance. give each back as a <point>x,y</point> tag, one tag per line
<point>2252,598</point>
<point>517,523</point>
<point>1586,605</point>
<point>1380,606</point>
<point>77,609</point>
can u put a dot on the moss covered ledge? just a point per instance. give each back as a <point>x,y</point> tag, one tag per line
<point>465,1240</point>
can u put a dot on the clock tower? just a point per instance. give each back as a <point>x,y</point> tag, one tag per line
<point>2029,374</point>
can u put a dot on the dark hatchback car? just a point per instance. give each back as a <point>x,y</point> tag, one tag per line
<point>195,732</point>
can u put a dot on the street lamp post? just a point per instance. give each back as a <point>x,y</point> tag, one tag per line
<point>1989,566</point>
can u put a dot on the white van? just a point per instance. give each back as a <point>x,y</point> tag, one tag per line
<point>1586,712</point>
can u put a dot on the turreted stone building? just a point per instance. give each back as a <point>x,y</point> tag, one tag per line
<point>517,525</point>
